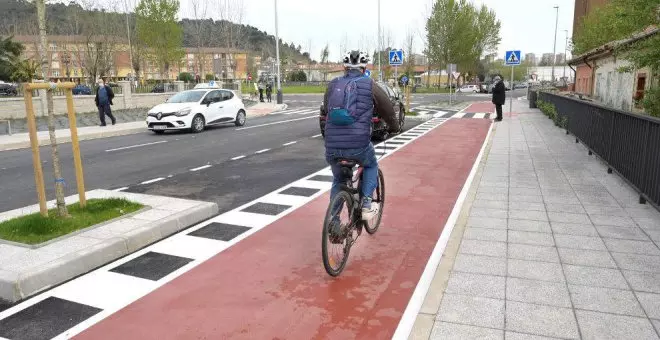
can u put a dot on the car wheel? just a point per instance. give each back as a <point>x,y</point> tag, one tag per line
<point>198,123</point>
<point>159,132</point>
<point>240,118</point>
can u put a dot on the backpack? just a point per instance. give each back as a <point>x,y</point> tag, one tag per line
<point>342,102</point>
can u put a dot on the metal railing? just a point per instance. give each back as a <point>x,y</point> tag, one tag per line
<point>629,143</point>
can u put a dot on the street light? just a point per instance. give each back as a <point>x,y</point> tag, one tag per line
<point>277,51</point>
<point>380,47</point>
<point>565,56</point>
<point>554,49</point>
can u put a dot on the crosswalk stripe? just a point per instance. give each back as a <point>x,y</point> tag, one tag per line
<point>479,115</point>
<point>459,115</point>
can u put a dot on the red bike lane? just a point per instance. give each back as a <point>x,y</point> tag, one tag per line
<point>272,285</point>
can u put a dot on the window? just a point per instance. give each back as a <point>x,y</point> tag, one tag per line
<point>214,96</point>
<point>56,73</point>
<point>226,95</point>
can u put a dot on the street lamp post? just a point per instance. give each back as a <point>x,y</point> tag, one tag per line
<point>380,47</point>
<point>565,56</point>
<point>277,51</point>
<point>554,49</point>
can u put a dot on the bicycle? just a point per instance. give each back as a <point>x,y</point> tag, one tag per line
<point>344,235</point>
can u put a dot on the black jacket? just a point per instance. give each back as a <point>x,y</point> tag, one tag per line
<point>499,93</point>
<point>111,95</point>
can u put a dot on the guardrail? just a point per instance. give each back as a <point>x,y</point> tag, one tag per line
<point>629,143</point>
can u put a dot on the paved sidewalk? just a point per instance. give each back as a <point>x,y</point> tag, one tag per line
<point>553,246</point>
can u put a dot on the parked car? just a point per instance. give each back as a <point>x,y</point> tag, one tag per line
<point>7,89</point>
<point>81,89</point>
<point>196,109</point>
<point>379,127</point>
<point>159,88</point>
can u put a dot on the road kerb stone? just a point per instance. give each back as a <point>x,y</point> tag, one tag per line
<point>15,286</point>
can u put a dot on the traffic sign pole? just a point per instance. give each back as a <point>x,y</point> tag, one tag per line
<point>510,96</point>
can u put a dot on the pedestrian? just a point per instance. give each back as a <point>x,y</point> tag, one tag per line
<point>261,91</point>
<point>499,96</point>
<point>104,96</point>
<point>269,91</point>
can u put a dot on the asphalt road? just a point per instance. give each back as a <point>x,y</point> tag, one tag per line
<point>245,163</point>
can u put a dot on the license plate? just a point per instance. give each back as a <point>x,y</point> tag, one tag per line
<point>160,127</point>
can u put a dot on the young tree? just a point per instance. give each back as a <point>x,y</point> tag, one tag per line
<point>198,11</point>
<point>43,50</point>
<point>324,60</point>
<point>160,32</point>
<point>410,54</point>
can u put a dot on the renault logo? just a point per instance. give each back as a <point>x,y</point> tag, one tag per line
<point>159,115</point>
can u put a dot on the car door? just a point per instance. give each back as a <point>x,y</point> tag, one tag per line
<point>213,111</point>
<point>228,109</point>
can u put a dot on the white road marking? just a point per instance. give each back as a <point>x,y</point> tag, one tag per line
<point>290,143</point>
<point>120,189</point>
<point>201,168</point>
<point>136,146</point>
<point>316,136</point>
<point>238,157</point>
<point>274,123</point>
<point>262,151</point>
<point>153,180</point>
<point>479,115</point>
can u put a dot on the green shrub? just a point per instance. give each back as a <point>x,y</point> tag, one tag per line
<point>651,102</point>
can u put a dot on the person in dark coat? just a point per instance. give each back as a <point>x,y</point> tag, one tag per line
<point>261,91</point>
<point>104,96</point>
<point>269,92</point>
<point>499,96</point>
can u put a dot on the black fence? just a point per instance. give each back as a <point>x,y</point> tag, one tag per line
<point>629,143</point>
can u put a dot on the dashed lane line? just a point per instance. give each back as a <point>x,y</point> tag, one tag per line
<point>262,151</point>
<point>238,157</point>
<point>135,146</point>
<point>290,143</point>
<point>201,168</point>
<point>153,180</point>
<point>274,123</point>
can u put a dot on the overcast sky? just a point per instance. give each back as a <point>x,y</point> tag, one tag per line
<point>527,25</point>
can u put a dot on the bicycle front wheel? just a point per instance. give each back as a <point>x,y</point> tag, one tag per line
<point>336,243</point>
<point>372,225</point>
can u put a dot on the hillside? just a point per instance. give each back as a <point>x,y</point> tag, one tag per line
<point>74,19</point>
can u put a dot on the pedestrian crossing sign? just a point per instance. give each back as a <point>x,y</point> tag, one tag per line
<point>396,58</point>
<point>512,58</point>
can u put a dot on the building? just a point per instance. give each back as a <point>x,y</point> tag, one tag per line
<point>547,59</point>
<point>560,59</point>
<point>598,74</point>
<point>76,57</point>
<point>582,9</point>
<point>530,58</point>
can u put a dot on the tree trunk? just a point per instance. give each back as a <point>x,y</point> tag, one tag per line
<point>59,182</point>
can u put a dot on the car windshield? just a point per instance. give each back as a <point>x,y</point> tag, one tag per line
<point>187,97</point>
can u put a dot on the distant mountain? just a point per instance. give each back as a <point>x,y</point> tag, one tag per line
<point>71,20</point>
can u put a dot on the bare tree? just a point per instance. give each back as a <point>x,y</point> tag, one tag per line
<point>234,35</point>
<point>43,52</point>
<point>410,53</point>
<point>198,11</point>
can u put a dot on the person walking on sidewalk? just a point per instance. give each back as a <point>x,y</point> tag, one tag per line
<point>104,96</point>
<point>269,92</point>
<point>261,91</point>
<point>499,96</point>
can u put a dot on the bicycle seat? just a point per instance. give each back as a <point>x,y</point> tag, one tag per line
<point>347,163</point>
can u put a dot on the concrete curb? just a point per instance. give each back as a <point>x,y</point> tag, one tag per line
<point>97,245</point>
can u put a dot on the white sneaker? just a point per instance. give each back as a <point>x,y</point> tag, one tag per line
<point>369,213</point>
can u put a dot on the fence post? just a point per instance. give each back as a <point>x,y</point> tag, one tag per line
<point>180,85</point>
<point>645,156</point>
<point>128,93</point>
<point>610,146</point>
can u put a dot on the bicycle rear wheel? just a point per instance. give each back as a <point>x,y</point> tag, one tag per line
<point>335,244</point>
<point>379,197</point>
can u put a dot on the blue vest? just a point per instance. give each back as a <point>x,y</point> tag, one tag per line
<point>358,134</point>
<point>103,96</point>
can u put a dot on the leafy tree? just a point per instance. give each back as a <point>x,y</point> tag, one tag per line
<point>25,70</point>
<point>10,52</point>
<point>209,77</point>
<point>160,32</point>
<point>297,76</point>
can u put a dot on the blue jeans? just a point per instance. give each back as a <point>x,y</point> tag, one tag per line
<point>365,156</point>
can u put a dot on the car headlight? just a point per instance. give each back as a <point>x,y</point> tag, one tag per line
<point>183,112</point>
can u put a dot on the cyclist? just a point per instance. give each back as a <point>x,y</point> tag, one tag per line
<point>351,101</point>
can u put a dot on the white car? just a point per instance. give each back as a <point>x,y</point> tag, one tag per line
<point>469,88</point>
<point>196,109</point>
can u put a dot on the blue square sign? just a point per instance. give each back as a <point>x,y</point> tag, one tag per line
<point>512,58</point>
<point>396,58</point>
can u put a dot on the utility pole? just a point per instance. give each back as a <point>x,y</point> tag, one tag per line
<point>277,51</point>
<point>554,49</point>
<point>565,57</point>
<point>380,47</point>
